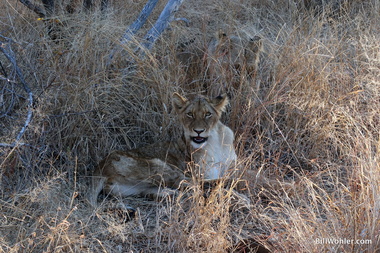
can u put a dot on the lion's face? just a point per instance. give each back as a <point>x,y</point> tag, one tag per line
<point>226,51</point>
<point>199,116</point>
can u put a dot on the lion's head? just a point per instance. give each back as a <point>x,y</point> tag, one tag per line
<point>199,116</point>
<point>233,51</point>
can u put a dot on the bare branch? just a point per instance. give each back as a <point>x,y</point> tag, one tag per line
<point>140,21</point>
<point>6,49</point>
<point>162,23</point>
<point>135,26</point>
<point>34,8</point>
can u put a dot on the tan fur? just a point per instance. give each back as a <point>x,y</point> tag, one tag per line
<point>153,170</point>
<point>229,55</point>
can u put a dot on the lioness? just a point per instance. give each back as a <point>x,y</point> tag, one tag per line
<point>231,57</point>
<point>206,143</point>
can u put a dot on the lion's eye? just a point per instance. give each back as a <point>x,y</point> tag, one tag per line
<point>208,114</point>
<point>190,115</point>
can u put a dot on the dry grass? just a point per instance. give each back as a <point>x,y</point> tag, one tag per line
<point>306,124</point>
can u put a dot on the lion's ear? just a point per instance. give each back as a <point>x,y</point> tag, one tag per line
<point>178,101</point>
<point>220,102</point>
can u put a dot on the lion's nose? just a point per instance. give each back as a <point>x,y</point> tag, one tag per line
<point>199,131</point>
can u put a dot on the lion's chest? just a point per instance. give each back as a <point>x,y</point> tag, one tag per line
<point>216,156</point>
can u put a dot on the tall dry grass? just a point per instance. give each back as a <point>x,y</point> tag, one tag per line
<point>306,124</point>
